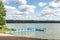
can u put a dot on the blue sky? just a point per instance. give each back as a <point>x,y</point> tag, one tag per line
<point>32,9</point>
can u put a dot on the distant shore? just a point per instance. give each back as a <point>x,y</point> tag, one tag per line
<point>31,21</point>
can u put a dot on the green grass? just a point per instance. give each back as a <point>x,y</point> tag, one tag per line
<point>4,28</point>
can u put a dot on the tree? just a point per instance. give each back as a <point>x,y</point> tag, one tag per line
<point>2,14</point>
<point>3,27</point>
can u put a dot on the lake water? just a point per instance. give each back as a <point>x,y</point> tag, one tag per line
<point>52,30</point>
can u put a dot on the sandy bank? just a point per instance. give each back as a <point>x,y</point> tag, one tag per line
<point>13,37</point>
<point>2,34</point>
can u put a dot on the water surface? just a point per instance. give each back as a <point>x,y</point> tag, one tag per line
<point>52,30</point>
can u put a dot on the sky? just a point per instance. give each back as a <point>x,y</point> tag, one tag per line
<point>32,9</point>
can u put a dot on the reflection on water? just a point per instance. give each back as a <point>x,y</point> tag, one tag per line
<point>52,30</point>
<point>26,29</point>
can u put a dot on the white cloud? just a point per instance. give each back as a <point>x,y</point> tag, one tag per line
<point>47,11</point>
<point>50,17</point>
<point>18,1</point>
<point>13,17</point>
<point>15,14</point>
<point>18,14</point>
<point>51,12</point>
<point>12,10</point>
<point>5,1</point>
<point>23,1</point>
<point>27,8</point>
<point>56,0</point>
<point>55,4</point>
<point>19,17</point>
<point>41,4</point>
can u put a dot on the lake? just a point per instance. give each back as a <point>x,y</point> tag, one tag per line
<point>52,30</point>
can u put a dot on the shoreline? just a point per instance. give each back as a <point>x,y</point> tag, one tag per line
<point>3,34</point>
<point>14,37</point>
